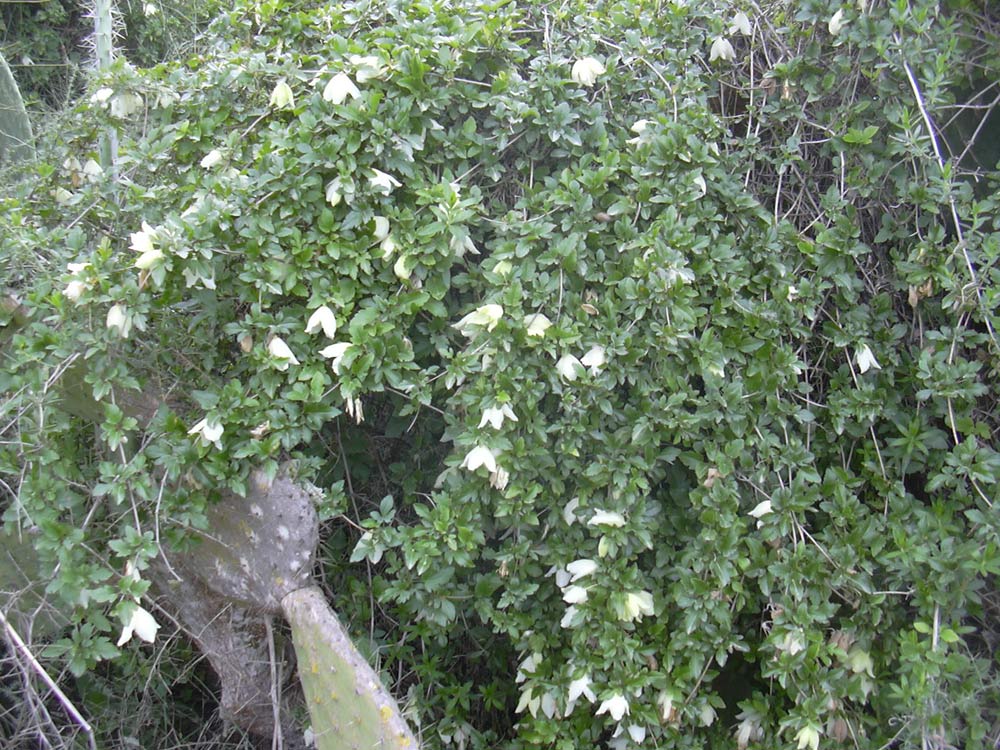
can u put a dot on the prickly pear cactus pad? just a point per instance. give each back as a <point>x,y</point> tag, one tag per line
<point>350,708</point>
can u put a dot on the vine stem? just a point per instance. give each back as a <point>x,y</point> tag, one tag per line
<point>59,694</point>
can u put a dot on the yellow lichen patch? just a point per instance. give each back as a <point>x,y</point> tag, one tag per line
<point>385,712</point>
<point>314,668</point>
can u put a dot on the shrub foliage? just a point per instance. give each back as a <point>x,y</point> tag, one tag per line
<point>653,385</point>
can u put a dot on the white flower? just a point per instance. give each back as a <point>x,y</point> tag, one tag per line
<point>333,194</point>
<point>581,686</point>
<point>606,518</point>
<point>569,367</point>
<point>142,624</point>
<point>480,456</point>
<point>581,568</point>
<point>575,595</point>
<point>639,126</point>
<point>102,95</point>
<point>210,432</point>
<point>495,416</point>
<point>585,71</point>
<point>279,349</point>
<point>569,512</point>
<point>721,50</point>
<point>388,247</point>
<point>75,289</point>
<point>76,268</point>
<point>637,733</point>
<point>594,359</point>
<point>616,705</point>
<point>282,96</point>
<point>148,259</point>
<point>117,319</point>
<point>865,360</point>
<point>403,267</point>
<point>637,604</point>
<point>836,23</point>
<point>212,158</point>
<point>367,67</point>
<point>706,715</point>
<point>150,9</point>
<point>336,353</point>
<point>93,171</point>
<point>339,88</point>
<point>322,318</point>
<point>383,182</point>
<point>462,245</point>
<point>125,104</point>
<point>761,509</point>
<point>569,619</point>
<point>62,195</point>
<point>499,478</point>
<point>792,642</point>
<point>741,24</point>
<point>142,242</point>
<point>807,737</point>
<point>484,315</point>
<point>381,228</point>
<point>536,324</point>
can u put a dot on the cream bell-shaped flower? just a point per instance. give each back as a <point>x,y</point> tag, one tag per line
<point>209,432</point>
<point>761,509</point>
<point>865,360</point>
<point>637,605</point>
<point>500,478</point>
<point>836,22</point>
<point>581,687</point>
<point>484,316</point>
<point>279,349</point>
<point>381,228</point>
<point>322,318</point>
<point>536,324</point>
<point>333,192</point>
<point>594,359</point>
<point>383,182</point>
<point>282,96</point>
<point>339,88</point>
<point>211,159</point>
<point>142,624</point>
<point>607,518</point>
<point>617,706</point>
<point>495,416</point>
<point>580,568</point>
<point>721,50</point>
<point>75,289</point>
<point>740,24</point>
<point>335,353</point>
<point>807,738</point>
<point>575,595</point>
<point>117,319</point>
<point>569,367</point>
<point>367,67</point>
<point>586,70</point>
<point>480,456</point>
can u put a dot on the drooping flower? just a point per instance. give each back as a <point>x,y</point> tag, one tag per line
<point>75,289</point>
<point>480,456</point>
<point>381,228</point>
<point>279,349</point>
<point>142,243</point>
<point>836,22</point>
<point>339,88</point>
<point>865,360</point>
<point>333,192</point>
<point>209,432</point>
<point>102,95</point>
<point>495,416</point>
<point>721,50</point>
<point>211,159</point>
<point>569,512</point>
<point>761,509</point>
<point>383,182</point>
<point>323,318</point>
<point>500,478</point>
<point>142,624</point>
<point>637,733</point>
<point>637,604</point>
<point>581,568</point>
<point>586,70</point>
<point>367,67</point>
<point>537,324</point>
<point>807,737</point>
<point>118,319</point>
<point>740,24</point>
<point>594,359</point>
<point>617,706</point>
<point>606,518</point>
<point>484,316</point>
<point>575,595</point>
<point>126,104</point>
<point>580,686</point>
<point>569,367</point>
<point>150,9</point>
<point>388,247</point>
<point>93,171</point>
<point>282,96</point>
<point>335,353</point>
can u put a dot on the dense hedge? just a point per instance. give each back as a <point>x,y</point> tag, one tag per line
<point>654,395</point>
